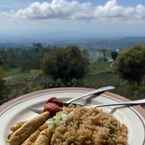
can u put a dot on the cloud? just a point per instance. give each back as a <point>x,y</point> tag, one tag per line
<point>66,9</point>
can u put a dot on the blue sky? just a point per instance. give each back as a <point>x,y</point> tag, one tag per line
<point>26,20</point>
<point>16,3</point>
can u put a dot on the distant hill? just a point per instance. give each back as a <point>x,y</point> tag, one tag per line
<point>15,45</point>
<point>90,43</point>
<point>106,43</point>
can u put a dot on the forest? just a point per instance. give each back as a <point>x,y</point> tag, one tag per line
<point>23,70</point>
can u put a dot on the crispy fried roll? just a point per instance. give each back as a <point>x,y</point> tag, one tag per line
<point>32,138</point>
<point>20,135</point>
<point>17,126</point>
<point>35,135</point>
<point>44,137</point>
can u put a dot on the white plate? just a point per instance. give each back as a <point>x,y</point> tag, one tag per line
<point>18,109</point>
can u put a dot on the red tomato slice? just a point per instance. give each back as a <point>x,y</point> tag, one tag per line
<point>52,108</point>
<point>56,101</point>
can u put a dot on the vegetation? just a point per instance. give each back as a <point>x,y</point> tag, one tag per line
<point>2,85</point>
<point>131,64</point>
<point>22,58</point>
<point>114,55</point>
<point>24,70</point>
<point>65,64</point>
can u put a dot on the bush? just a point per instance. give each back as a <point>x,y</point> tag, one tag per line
<point>131,64</point>
<point>66,63</point>
<point>2,87</point>
<point>114,55</point>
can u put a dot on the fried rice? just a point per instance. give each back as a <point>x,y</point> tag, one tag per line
<point>90,126</point>
<point>85,126</point>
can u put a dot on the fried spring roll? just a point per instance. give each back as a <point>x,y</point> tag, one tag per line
<point>44,126</point>
<point>16,126</point>
<point>32,138</point>
<point>44,137</point>
<point>20,135</point>
<point>35,135</point>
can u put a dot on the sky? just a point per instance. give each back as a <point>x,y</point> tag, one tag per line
<point>42,20</point>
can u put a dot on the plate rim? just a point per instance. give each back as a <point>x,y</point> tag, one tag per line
<point>113,96</point>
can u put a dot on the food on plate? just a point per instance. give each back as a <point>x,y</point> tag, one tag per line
<point>53,105</point>
<point>44,137</point>
<point>56,101</point>
<point>90,126</point>
<point>72,126</point>
<point>28,128</point>
<point>17,126</point>
<point>44,126</point>
<point>30,140</point>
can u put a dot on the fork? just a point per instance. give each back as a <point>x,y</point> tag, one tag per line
<point>96,92</point>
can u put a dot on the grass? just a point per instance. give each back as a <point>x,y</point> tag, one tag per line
<point>102,74</point>
<point>11,71</point>
<point>99,67</point>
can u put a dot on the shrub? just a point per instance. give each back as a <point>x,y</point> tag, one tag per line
<point>2,86</point>
<point>66,63</point>
<point>114,55</point>
<point>131,64</point>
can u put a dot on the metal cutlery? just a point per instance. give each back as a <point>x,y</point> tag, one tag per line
<point>125,103</point>
<point>66,103</point>
<point>94,92</point>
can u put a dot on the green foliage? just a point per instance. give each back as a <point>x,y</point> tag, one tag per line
<point>2,85</point>
<point>114,55</point>
<point>103,53</point>
<point>22,83</point>
<point>37,45</point>
<point>22,70</point>
<point>131,64</point>
<point>23,58</point>
<point>66,63</point>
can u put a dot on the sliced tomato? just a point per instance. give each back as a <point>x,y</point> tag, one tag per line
<point>56,101</point>
<point>52,108</point>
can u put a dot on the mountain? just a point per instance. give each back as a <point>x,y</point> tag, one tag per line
<point>90,43</point>
<point>113,43</point>
<point>14,45</point>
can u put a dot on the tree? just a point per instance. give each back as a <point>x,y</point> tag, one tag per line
<point>37,45</point>
<point>114,54</point>
<point>65,63</point>
<point>2,87</point>
<point>130,64</point>
<point>103,53</point>
<point>1,80</point>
